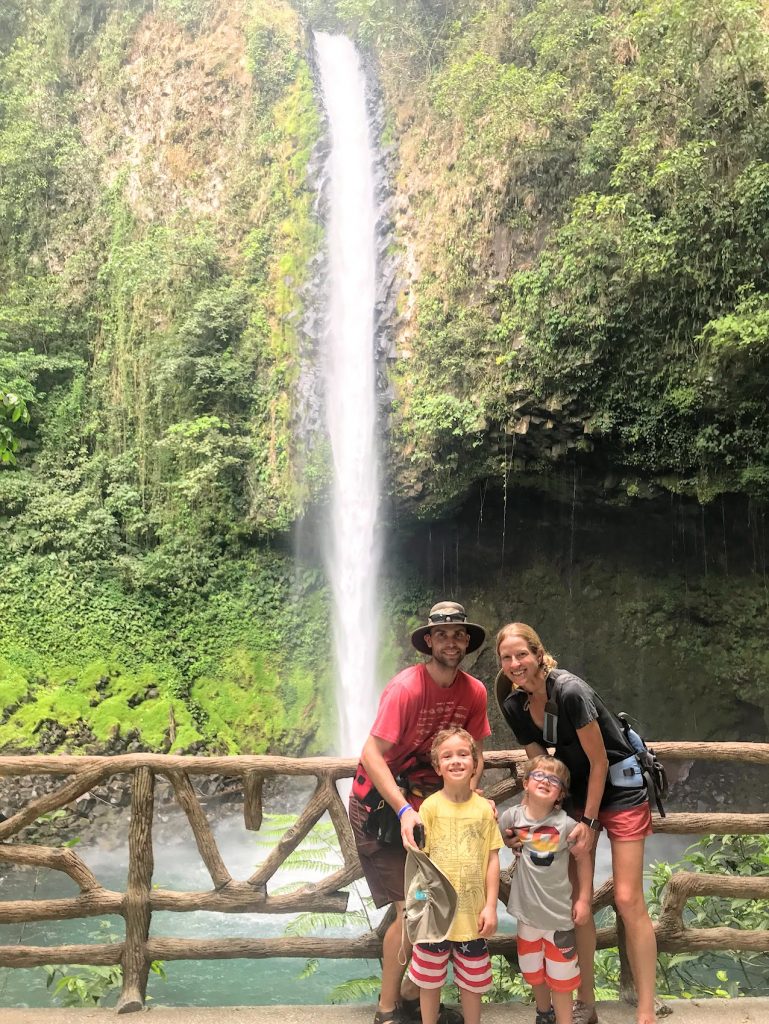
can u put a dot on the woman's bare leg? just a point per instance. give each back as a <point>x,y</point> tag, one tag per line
<point>586,943</point>
<point>627,860</point>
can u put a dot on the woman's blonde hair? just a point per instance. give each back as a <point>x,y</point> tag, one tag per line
<point>532,641</point>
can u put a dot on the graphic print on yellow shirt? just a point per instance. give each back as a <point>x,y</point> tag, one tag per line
<point>459,838</point>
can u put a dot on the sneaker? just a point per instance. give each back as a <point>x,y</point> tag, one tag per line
<point>583,1013</point>
<point>446,1014</point>
<point>545,1016</point>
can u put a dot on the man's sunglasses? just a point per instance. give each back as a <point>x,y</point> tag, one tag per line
<point>450,617</point>
<point>540,776</point>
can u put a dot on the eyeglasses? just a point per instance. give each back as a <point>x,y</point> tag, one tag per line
<point>448,617</point>
<point>540,776</point>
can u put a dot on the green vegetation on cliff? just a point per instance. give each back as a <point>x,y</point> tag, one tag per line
<point>586,189</point>
<point>155,230</point>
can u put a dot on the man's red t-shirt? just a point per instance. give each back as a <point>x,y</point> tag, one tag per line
<point>412,710</point>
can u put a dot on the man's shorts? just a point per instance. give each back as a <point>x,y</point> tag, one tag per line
<point>548,957</point>
<point>383,865</point>
<point>472,966</point>
<point>625,824</point>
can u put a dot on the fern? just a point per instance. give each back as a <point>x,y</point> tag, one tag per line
<point>355,989</point>
<point>306,924</point>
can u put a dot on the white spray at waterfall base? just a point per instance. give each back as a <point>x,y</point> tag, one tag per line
<point>352,548</point>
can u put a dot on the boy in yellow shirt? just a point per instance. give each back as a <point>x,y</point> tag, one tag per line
<point>462,838</point>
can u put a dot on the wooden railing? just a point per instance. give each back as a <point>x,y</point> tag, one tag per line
<point>229,895</point>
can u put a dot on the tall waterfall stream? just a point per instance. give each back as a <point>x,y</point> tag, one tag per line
<point>352,553</point>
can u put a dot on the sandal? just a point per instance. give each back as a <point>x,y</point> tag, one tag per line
<point>583,1013</point>
<point>394,1016</point>
<point>446,1014</point>
<point>545,1016</point>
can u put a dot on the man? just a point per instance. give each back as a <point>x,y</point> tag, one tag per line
<point>414,707</point>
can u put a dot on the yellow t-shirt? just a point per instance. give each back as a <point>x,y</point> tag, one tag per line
<point>459,839</point>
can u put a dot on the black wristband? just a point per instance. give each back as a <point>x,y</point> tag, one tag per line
<point>593,823</point>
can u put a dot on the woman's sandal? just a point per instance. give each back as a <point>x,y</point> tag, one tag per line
<point>583,1013</point>
<point>394,1016</point>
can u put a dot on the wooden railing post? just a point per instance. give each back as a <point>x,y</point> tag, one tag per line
<point>137,913</point>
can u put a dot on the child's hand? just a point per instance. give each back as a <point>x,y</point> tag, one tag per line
<point>487,922</point>
<point>581,911</point>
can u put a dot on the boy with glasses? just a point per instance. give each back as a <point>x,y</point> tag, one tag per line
<point>541,897</point>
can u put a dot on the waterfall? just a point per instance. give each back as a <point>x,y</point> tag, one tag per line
<point>352,549</point>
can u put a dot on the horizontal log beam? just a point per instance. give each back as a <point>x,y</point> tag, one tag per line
<point>88,904</point>
<point>720,824</point>
<point>35,956</point>
<point>330,767</point>
<point>242,898</point>
<point>365,946</point>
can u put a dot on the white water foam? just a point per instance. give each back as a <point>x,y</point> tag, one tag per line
<point>352,548</point>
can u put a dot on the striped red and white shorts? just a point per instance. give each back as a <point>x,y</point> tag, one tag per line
<point>548,957</point>
<point>472,966</point>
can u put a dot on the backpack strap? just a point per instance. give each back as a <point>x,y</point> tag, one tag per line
<point>550,724</point>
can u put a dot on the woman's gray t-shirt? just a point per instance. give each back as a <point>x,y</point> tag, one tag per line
<point>540,890</point>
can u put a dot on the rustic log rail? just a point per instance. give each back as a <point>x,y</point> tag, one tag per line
<point>228,895</point>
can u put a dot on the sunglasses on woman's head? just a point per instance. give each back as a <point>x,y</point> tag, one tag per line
<point>540,776</point>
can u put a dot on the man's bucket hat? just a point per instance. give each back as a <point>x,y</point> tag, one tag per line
<point>448,613</point>
<point>431,899</point>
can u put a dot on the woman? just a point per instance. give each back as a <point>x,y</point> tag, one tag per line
<point>548,707</point>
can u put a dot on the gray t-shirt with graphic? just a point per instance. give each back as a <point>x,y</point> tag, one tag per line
<point>540,890</point>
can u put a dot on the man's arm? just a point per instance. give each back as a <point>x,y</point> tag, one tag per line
<point>487,919</point>
<point>479,770</point>
<point>372,759</point>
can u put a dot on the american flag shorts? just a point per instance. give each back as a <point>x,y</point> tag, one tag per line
<point>472,966</point>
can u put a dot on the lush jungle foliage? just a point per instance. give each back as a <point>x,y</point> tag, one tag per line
<point>155,232</point>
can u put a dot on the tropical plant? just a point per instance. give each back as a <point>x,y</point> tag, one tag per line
<point>726,973</point>
<point>319,853</point>
<point>13,409</point>
<point>91,985</point>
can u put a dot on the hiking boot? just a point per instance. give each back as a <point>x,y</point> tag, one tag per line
<point>446,1014</point>
<point>583,1013</point>
<point>545,1016</point>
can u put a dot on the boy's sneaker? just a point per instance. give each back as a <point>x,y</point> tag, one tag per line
<point>446,1014</point>
<point>545,1016</point>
